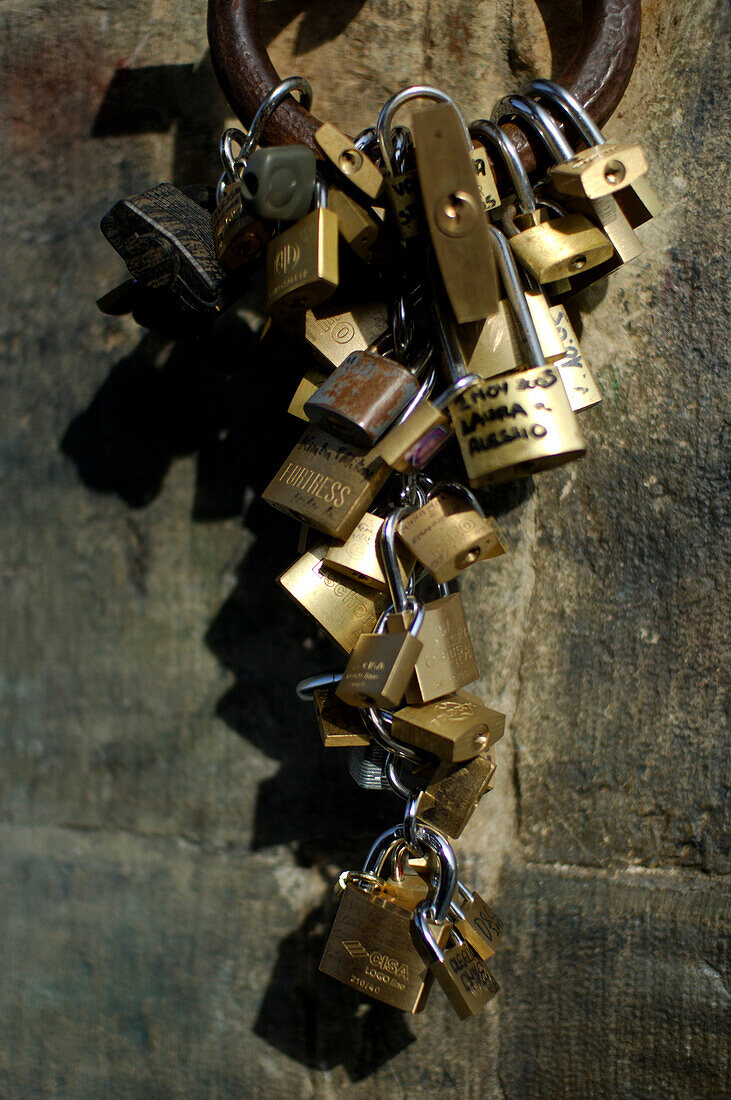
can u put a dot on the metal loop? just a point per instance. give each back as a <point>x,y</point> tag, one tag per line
<point>377,724</point>
<point>515,291</point>
<point>392,105</point>
<point>569,104</point>
<point>306,688</point>
<point>386,547</point>
<point>458,490</point>
<point>482,129</point>
<point>540,121</point>
<point>268,106</point>
<point>455,389</point>
<point>397,784</point>
<point>228,160</point>
<point>411,821</point>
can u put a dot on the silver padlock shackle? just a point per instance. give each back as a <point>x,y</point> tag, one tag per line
<point>392,105</point>
<point>515,291</point>
<point>569,104</point>
<point>438,907</point>
<point>386,550</point>
<point>412,604</point>
<point>377,723</point>
<point>539,120</point>
<point>486,131</point>
<point>397,784</point>
<point>269,105</point>
<point>306,688</point>
<point>228,160</point>
<point>366,140</point>
<point>458,490</point>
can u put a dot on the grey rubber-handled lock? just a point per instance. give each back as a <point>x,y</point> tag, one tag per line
<point>278,182</point>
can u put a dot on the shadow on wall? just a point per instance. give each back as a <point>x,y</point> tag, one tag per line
<point>222,397</point>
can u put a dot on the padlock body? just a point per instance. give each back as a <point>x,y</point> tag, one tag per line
<point>360,230</point>
<point>239,238</point>
<point>362,398</point>
<point>371,949</point>
<point>465,980</point>
<point>454,728</point>
<point>343,608</point>
<point>326,484</point>
<point>278,182</point>
<point>339,725</point>
<point>453,792</point>
<point>379,669</point>
<point>638,203</point>
<point>447,660</point>
<point>560,247</point>
<point>333,332</point>
<point>357,168</point>
<point>168,240</point>
<point>481,927</point>
<point>495,346</point>
<point>601,170</point>
<point>404,200</point>
<point>302,263</point>
<point>447,535</point>
<point>311,381</point>
<point>515,425</point>
<point>578,381</point>
<point>358,556</point>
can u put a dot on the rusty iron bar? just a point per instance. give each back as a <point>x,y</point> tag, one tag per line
<point>597,75</point>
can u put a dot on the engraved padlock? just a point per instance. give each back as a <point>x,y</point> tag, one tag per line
<point>476,921</point>
<point>363,397</point>
<point>326,484</point>
<point>339,605</point>
<point>402,187</point>
<point>358,557</point>
<point>372,947</point>
<point>605,210</point>
<point>602,169</point>
<point>338,327</point>
<point>382,663</point>
<point>166,241</point>
<point>455,727</point>
<point>453,792</point>
<point>450,532</point>
<point>516,424</point>
<point>459,970</point>
<point>302,267</point>
<point>578,381</point>
<point>447,660</point>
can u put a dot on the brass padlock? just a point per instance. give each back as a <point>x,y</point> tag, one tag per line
<point>342,608</point>
<point>486,183</point>
<point>364,233</point>
<point>340,726</point>
<point>452,793</point>
<point>333,332</point>
<point>476,922</point>
<point>453,728</point>
<point>362,398</point>
<point>519,423</point>
<point>302,262</point>
<point>350,159</point>
<point>460,971</point>
<point>357,557</point>
<point>553,248</point>
<point>311,381</point>
<point>450,532</point>
<point>402,186</point>
<point>494,346</point>
<point>453,208</point>
<point>326,484</point>
<point>239,238</point>
<point>447,660</point>
<point>370,948</point>
<point>382,663</point>
<point>606,167</point>
<point>578,381</point>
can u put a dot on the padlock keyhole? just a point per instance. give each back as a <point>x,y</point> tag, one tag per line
<point>614,172</point>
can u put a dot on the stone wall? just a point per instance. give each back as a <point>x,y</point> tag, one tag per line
<point>170,823</point>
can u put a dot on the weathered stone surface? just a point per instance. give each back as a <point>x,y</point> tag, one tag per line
<point>171,823</point>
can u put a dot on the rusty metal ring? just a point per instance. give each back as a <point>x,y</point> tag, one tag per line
<point>597,75</point>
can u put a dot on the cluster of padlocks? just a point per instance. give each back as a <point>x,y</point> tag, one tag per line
<point>388,255</point>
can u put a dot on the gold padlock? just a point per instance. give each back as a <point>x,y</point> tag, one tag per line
<point>333,332</point>
<point>494,346</point>
<point>302,263</point>
<point>453,209</point>
<point>311,381</point>
<point>450,532</point>
<point>326,483</point>
<point>382,663</point>
<point>480,926</point>
<point>343,608</point>
<point>555,248</point>
<point>452,793</point>
<point>460,971</point>
<point>447,660</point>
<point>340,726</point>
<point>239,238</point>
<point>454,728</point>
<point>578,381</point>
<point>357,557</point>
<point>362,231</point>
<point>349,157</point>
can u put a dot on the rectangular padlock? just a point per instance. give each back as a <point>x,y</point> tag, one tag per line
<point>339,725</point>
<point>447,535</point>
<point>454,728</point>
<point>358,556</point>
<point>447,661</point>
<point>326,484</point>
<point>302,263</point>
<point>453,792</point>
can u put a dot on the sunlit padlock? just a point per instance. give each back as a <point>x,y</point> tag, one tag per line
<point>382,664</point>
<point>454,790</point>
<point>460,971</point>
<point>450,532</point>
<point>516,424</point>
<point>476,922</point>
<point>605,210</point>
<point>340,726</point>
<point>363,397</point>
<point>603,165</point>
<point>358,557</point>
<point>371,947</point>
<point>326,483</point>
<point>454,728</point>
<point>302,262</point>
<point>351,159</point>
<point>339,605</point>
